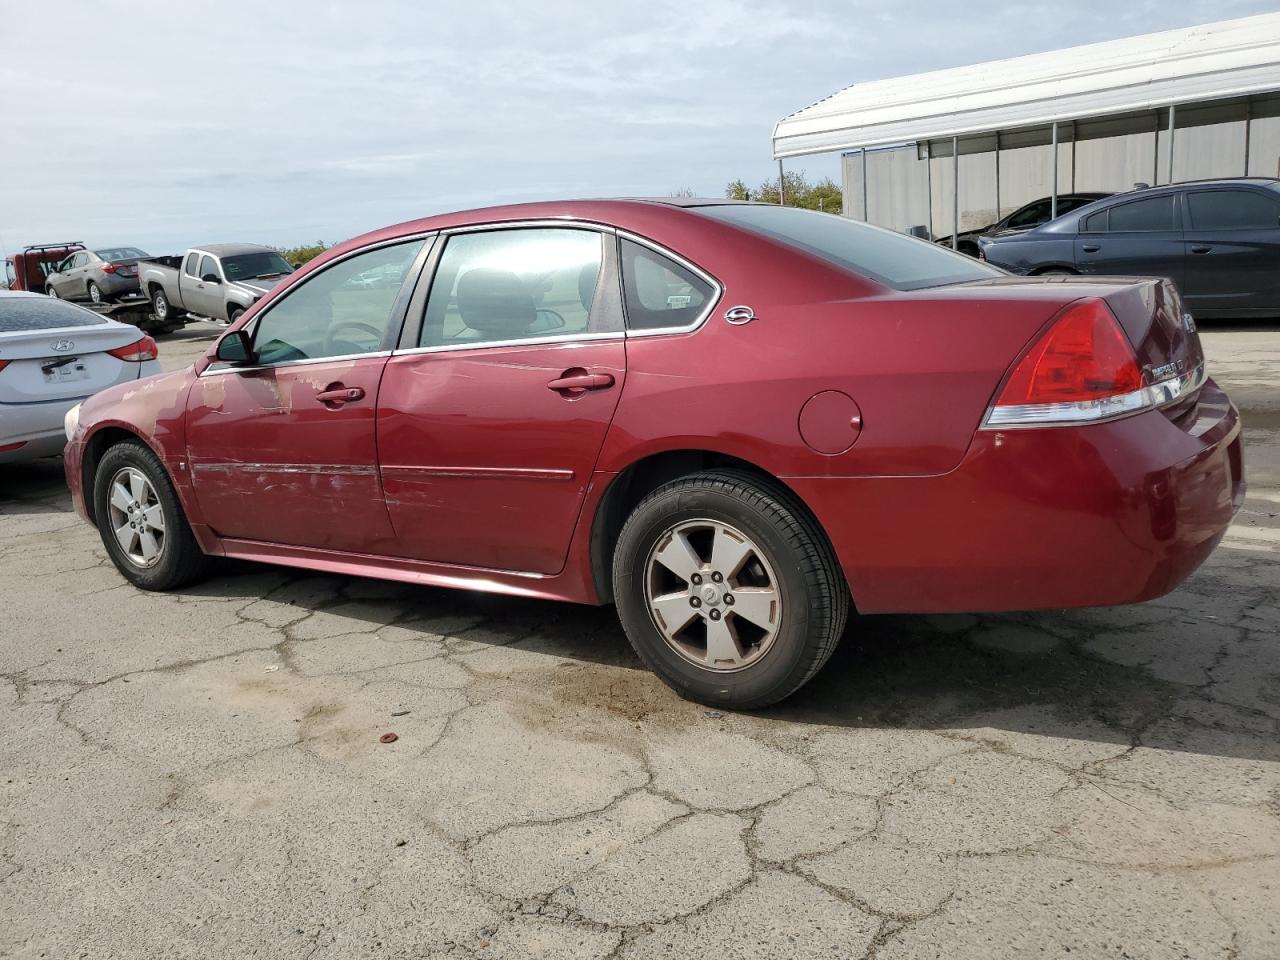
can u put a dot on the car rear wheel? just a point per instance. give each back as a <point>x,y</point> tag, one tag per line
<point>95,293</point>
<point>728,590</point>
<point>162,309</point>
<point>141,521</point>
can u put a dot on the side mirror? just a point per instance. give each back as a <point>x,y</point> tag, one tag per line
<point>209,278</point>
<point>235,348</point>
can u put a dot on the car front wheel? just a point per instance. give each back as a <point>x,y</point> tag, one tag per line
<point>141,521</point>
<point>728,590</point>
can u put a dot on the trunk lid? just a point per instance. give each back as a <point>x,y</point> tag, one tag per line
<point>64,356</point>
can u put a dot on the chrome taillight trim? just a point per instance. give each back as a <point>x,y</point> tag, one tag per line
<point>1093,411</point>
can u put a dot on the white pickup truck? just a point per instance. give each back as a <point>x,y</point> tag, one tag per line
<point>219,280</point>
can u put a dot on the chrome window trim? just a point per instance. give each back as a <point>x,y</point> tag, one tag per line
<point>213,371</point>
<point>716,286</point>
<point>1153,397</point>
<point>526,342</point>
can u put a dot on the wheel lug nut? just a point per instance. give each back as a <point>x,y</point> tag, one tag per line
<point>728,599</point>
<point>695,602</point>
<point>696,578</point>
<point>717,577</point>
<point>715,614</point>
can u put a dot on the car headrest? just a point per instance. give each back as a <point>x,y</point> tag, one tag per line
<point>587,278</point>
<point>495,302</point>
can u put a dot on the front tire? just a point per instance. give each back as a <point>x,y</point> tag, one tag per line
<point>52,292</point>
<point>234,315</point>
<point>728,590</point>
<point>141,521</point>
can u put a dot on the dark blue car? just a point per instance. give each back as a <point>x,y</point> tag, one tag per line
<point>1219,240</point>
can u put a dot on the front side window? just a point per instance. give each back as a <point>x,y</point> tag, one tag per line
<point>1232,210</point>
<point>344,310</point>
<point>208,267</point>
<point>1147,215</point>
<point>658,292</point>
<point>517,284</point>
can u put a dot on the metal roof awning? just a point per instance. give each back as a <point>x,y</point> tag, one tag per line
<point>1214,61</point>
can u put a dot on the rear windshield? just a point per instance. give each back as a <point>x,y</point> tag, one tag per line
<point>42,313</point>
<point>892,259</point>
<point>121,253</point>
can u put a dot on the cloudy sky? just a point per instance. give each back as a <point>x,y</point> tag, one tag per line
<point>284,123</point>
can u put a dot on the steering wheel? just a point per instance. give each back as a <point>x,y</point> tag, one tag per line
<point>548,319</point>
<point>358,325</point>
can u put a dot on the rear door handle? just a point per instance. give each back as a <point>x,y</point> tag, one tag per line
<point>578,381</point>
<point>336,394</point>
<point>1091,248</point>
<point>1201,249</point>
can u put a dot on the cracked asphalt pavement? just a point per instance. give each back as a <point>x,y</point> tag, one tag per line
<point>200,774</point>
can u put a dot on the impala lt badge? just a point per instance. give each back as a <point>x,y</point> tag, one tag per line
<point>62,346</point>
<point>739,315</point>
<point>1189,322</point>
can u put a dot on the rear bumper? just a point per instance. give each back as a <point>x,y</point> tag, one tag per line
<point>37,426</point>
<point>1096,515</point>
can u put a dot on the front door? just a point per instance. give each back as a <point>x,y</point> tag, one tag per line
<point>203,293</point>
<point>1138,238</point>
<point>489,426</point>
<point>1232,251</point>
<point>283,450</point>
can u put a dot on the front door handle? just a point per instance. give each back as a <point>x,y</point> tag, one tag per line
<point>1091,248</point>
<point>1201,249</point>
<point>577,381</point>
<point>336,395</point>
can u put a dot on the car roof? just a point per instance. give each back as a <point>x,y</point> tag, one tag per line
<point>231,249</point>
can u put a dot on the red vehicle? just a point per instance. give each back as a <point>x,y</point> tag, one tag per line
<point>30,269</point>
<point>734,421</point>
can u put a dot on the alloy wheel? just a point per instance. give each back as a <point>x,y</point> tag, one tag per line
<point>137,519</point>
<point>713,595</point>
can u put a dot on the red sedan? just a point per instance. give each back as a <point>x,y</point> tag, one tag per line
<point>734,421</point>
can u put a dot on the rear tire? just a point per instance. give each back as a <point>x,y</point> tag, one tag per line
<point>164,312</point>
<point>141,520</point>
<point>1057,272</point>
<point>95,293</point>
<point>761,604</point>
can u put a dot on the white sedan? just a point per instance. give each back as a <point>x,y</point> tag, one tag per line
<point>53,355</point>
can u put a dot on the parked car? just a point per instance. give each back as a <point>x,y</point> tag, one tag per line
<point>219,280</point>
<point>1024,218</point>
<point>99,276</point>
<point>30,269</point>
<point>1218,240</point>
<point>733,420</point>
<point>52,356</point>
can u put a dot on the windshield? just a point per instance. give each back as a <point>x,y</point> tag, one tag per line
<point>250,266</point>
<point>892,259</point>
<point>115,254</point>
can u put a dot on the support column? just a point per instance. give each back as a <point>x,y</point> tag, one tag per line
<point>866,213</point>
<point>997,174</point>
<point>928,180</point>
<point>782,189</point>
<point>1173,109</point>
<point>1053,195</point>
<point>955,193</point>
<point>1248,122</point>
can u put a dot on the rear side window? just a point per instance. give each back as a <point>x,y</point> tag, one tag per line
<point>42,313</point>
<point>659,293</point>
<point>1147,215</point>
<point>1232,210</point>
<point>1095,223</point>
<point>190,267</point>
<point>897,261</point>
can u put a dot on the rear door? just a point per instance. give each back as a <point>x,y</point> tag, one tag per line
<point>1232,241</point>
<point>283,451</point>
<point>492,416</point>
<point>1141,238</point>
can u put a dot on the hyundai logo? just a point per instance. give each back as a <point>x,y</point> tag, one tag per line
<point>62,346</point>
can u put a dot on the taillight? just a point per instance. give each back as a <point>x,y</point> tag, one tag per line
<point>136,352</point>
<point>4,363</point>
<point>1082,369</point>
<point>109,268</point>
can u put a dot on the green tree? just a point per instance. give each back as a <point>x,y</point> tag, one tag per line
<point>300,255</point>
<point>824,195</point>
